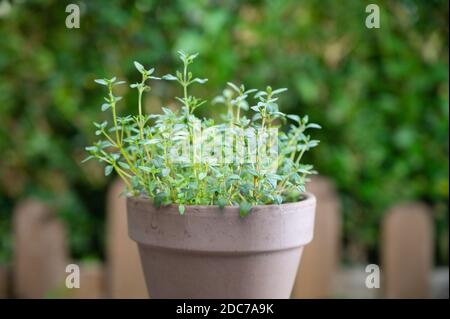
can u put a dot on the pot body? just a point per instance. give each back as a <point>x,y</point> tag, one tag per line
<point>214,253</point>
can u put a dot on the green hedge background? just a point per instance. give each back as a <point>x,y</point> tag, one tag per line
<point>381,96</point>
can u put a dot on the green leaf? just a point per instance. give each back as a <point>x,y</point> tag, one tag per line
<point>278,199</point>
<point>105,106</point>
<point>165,172</point>
<point>87,159</point>
<point>244,209</point>
<point>193,56</point>
<point>234,87</point>
<point>124,165</point>
<point>152,141</point>
<point>256,108</point>
<point>313,125</point>
<point>91,148</point>
<point>145,169</point>
<point>159,199</point>
<point>260,94</point>
<point>272,182</point>
<point>305,119</point>
<point>233,177</point>
<point>139,67</point>
<point>108,170</point>
<point>169,77</point>
<point>101,81</point>
<point>221,202</point>
<point>218,99</point>
<point>181,209</point>
<point>253,172</point>
<point>201,81</point>
<point>278,91</point>
<point>293,117</point>
<point>313,143</point>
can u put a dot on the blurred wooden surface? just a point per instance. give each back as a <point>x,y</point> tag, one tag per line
<point>4,282</point>
<point>321,257</point>
<point>40,250</point>
<point>407,251</point>
<point>125,277</point>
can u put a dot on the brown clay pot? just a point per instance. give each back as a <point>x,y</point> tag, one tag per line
<point>214,253</point>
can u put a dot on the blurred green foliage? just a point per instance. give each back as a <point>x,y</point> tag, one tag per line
<point>381,96</point>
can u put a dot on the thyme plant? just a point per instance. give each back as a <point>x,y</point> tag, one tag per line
<point>249,160</point>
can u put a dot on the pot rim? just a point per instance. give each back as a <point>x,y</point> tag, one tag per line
<point>204,228</point>
<point>308,199</point>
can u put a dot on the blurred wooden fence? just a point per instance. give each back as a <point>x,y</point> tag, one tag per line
<point>41,255</point>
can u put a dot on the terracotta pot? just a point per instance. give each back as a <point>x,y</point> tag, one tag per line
<point>214,253</point>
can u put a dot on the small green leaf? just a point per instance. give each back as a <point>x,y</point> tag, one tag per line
<point>181,209</point>
<point>101,81</point>
<point>293,117</point>
<point>255,108</point>
<point>169,77</point>
<point>87,159</point>
<point>91,148</point>
<point>218,99</point>
<point>152,141</point>
<point>260,94</point>
<point>145,169</point>
<point>221,202</point>
<point>233,177</point>
<point>201,81</point>
<point>278,199</point>
<point>159,198</point>
<point>278,91</point>
<point>313,125</point>
<point>108,170</point>
<point>272,182</point>
<point>234,87</point>
<point>253,172</point>
<point>244,209</point>
<point>305,119</point>
<point>139,67</point>
<point>313,143</point>
<point>124,165</point>
<point>105,106</point>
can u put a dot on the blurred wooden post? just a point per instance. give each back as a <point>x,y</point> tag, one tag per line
<point>321,257</point>
<point>407,251</point>
<point>40,252</point>
<point>3,282</point>
<point>125,277</point>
